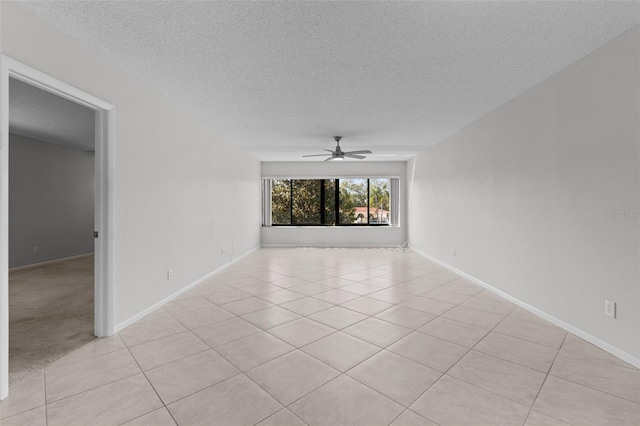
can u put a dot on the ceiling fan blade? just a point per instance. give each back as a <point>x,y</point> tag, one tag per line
<point>365,151</point>
<point>338,154</point>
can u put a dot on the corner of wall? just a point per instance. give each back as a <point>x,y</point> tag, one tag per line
<point>133,319</point>
<point>540,313</point>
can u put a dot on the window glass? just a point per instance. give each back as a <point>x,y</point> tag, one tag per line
<point>306,201</point>
<point>353,201</point>
<point>329,202</point>
<point>281,202</point>
<point>379,201</point>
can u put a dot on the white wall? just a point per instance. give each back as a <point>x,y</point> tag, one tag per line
<point>337,236</point>
<point>51,201</point>
<point>523,193</point>
<point>181,193</point>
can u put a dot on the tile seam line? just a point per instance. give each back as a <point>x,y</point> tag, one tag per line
<point>44,385</point>
<point>478,387</point>
<point>98,386</point>
<point>538,343</point>
<point>628,366</point>
<point>545,381</point>
<point>506,360</point>
<point>323,362</point>
<point>592,388</point>
<point>517,363</point>
<point>297,399</point>
<point>150,384</point>
<point>80,360</point>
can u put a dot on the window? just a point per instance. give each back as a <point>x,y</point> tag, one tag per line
<point>305,201</point>
<point>328,202</point>
<point>281,201</point>
<point>354,202</point>
<point>379,201</point>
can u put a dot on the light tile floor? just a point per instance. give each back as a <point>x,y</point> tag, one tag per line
<point>333,337</point>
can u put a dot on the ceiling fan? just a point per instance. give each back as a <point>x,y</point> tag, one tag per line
<point>338,154</point>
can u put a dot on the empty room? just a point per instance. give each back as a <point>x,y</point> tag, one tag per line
<point>324,213</point>
<point>51,222</point>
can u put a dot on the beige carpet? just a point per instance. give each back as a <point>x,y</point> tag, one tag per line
<point>50,313</point>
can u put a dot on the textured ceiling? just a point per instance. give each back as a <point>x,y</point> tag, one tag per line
<point>282,78</point>
<point>41,115</point>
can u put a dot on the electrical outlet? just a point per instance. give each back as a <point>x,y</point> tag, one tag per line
<point>221,252</point>
<point>454,252</point>
<point>35,249</point>
<point>169,273</point>
<point>610,308</point>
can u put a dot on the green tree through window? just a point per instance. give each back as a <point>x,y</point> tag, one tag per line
<point>358,201</point>
<point>281,202</point>
<point>353,201</point>
<point>306,201</point>
<point>379,201</point>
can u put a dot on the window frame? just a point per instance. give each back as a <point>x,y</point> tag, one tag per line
<point>336,181</point>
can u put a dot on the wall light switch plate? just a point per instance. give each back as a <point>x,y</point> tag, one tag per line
<point>610,308</point>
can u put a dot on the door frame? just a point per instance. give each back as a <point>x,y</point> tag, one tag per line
<point>104,200</point>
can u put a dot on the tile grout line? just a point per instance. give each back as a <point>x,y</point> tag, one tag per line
<point>200,390</point>
<point>214,384</point>
<point>84,359</point>
<point>205,388</point>
<point>240,372</point>
<point>594,389</point>
<point>152,387</point>
<point>385,348</point>
<point>362,361</point>
<point>280,410</point>
<point>628,366</point>
<point>230,341</point>
<point>152,340</point>
<point>98,386</point>
<point>340,373</point>
<point>46,406</point>
<point>529,341</point>
<point>473,348</point>
<point>414,412</point>
<point>453,365</point>
<point>511,361</point>
<point>345,373</point>
<point>545,381</point>
<point>397,402</point>
<point>276,399</point>
<point>412,330</point>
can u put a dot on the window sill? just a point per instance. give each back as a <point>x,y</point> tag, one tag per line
<point>325,227</point>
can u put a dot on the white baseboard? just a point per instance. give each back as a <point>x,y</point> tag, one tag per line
<point>364,246</point>
<point>147,311</point>
<point>553,320</point>
<point>48,262</point>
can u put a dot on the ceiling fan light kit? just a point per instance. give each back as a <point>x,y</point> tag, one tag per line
<point>338,154</point>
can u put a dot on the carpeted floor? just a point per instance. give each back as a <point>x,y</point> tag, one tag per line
<point>50,313</point>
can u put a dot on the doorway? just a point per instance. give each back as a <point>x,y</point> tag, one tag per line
<point>51,227</point>
<point>104,114</point>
